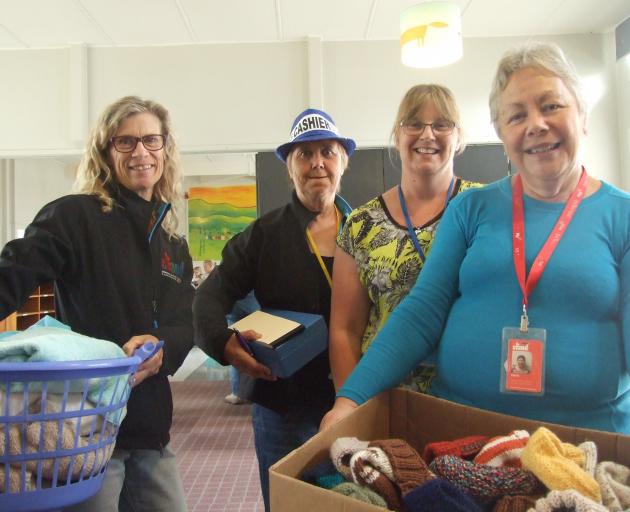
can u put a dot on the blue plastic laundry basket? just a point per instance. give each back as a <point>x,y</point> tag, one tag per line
<point>56,455</point>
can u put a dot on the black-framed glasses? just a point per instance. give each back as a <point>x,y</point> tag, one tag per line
<point>127,143</point>
<point>415,127</point>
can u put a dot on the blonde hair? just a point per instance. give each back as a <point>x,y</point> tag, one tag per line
<point>95,176</point>
<point>548,58</point>
<point>418,97</point>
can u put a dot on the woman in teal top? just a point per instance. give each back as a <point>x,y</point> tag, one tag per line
<point>471,290</point>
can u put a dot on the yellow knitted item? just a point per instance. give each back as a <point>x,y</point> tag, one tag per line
<point>559,465</point>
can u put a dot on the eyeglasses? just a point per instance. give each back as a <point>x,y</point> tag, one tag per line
<point>415,127</point>
<point>127,143</point>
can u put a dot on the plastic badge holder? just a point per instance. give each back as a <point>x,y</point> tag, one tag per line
<point>291,355</point>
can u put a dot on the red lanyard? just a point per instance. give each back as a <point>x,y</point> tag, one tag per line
<point>528,283</point>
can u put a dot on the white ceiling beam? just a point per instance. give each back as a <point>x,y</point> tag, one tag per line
<point>186,20</point>
<point>370,21</point>
<point>95,23</point>
<point>279,20</point>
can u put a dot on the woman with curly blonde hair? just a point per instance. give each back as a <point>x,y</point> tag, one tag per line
<point>122,274</point>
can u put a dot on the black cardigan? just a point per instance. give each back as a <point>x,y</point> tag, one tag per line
<point>271,256</point>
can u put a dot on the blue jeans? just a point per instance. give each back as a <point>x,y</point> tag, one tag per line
<point>138,480</point>
<point>234,380</point>
<point>276,435</point>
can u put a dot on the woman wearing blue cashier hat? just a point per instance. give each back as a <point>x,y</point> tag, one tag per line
<point>286,257</point>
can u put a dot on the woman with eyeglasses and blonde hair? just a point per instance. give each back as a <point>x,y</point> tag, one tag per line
<point>384,243</point>
<point>121,273</point>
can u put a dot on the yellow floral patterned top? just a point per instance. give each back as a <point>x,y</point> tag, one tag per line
<point>386,259</point>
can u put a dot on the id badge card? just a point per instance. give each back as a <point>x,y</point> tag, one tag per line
<point>523,357</point>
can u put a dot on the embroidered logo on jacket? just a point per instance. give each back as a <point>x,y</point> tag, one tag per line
<point>173,271</point>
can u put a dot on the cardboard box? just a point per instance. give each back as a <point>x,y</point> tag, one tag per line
<point>419,419</point>
<point>288,357</point>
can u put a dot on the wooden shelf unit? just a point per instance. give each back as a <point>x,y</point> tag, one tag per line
<point>38,305</point>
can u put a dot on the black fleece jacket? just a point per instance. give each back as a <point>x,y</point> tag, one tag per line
<point>271,256</point>
<point>116,275</point>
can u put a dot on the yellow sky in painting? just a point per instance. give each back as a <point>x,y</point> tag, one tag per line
<point>242,196</point>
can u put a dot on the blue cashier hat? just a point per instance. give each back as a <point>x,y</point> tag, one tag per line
<point>311,125</point>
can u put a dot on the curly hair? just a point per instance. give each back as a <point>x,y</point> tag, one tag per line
<point>96,177</point>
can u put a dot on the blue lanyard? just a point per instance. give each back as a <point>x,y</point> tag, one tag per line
<point>410,228</point>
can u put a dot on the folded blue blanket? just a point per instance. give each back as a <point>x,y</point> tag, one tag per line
<point>50,340</point>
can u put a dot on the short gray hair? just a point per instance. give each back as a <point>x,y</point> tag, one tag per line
<point>547,57</point>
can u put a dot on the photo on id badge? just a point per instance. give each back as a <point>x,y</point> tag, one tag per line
<point>524,366</point>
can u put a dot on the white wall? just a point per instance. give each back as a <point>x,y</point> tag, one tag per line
<point>243,97</point>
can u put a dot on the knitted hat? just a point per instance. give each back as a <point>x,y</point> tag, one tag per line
<point>614,481</point>
<point>566,500</point>
<point>371,468</point>
<point>408,468</point>
<point>514,504</point>
<point>361,493</point>
<point>558,465</point>
<point>485,482</point>
<point>465,448</point>
<point>323,475</point>
<point>312,125</point>
<point>503,450</point>
<point>439,495</point>
<point>342,450</point>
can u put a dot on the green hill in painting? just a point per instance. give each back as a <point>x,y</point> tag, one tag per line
<point>199,208</point>
<point>211,225</point>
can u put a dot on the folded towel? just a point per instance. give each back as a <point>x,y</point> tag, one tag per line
<point>52,341</point>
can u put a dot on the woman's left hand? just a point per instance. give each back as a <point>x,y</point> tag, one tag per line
<point>152,365</point>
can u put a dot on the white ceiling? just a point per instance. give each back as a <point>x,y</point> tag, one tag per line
<point>55,23</point>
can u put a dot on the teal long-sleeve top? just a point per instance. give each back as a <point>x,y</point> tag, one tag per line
<point>468,292</point>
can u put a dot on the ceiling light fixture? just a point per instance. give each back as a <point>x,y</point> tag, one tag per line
<point>431,34</point>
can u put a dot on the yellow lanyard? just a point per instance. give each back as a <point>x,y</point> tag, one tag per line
<point>313,247</point>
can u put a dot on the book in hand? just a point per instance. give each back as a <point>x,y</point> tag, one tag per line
<point>273,329</point>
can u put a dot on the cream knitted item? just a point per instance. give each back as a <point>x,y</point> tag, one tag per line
<point>566,500</point>
<point>15,474</point>
<point>590,456</point>
<point>342,450</point>
<point>614,481</point>
<point>503,450</point>
<point>44,436</point>
<point>558,465</point>
<point>371,468</point>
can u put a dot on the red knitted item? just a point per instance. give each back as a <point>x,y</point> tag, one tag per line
<point>464,448</point>
<point>503,450</point>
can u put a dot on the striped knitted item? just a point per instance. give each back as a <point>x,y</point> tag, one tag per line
<point>569,500</point>
<point>409,470</point>
<point>559,465</point>
<point>485,482</point>
<point>371,468</point>
<point>342,450</point>
<point>464,448</point>
<point>614,481</point>
<point>503,450</point>
<point>590,456</point>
